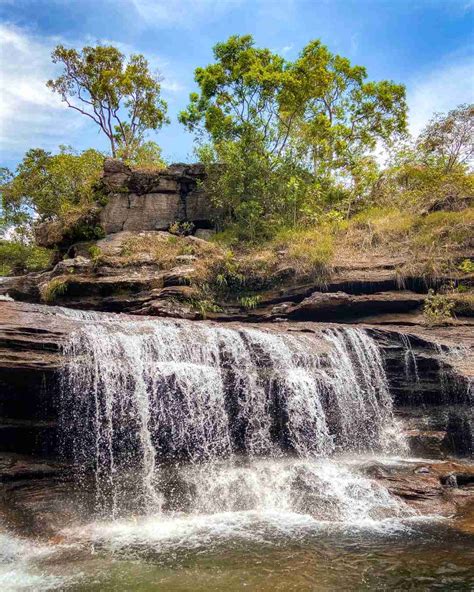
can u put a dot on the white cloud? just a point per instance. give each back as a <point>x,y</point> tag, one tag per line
<point>440,90</point>
<point>30,115</point>
<point>184,13</point>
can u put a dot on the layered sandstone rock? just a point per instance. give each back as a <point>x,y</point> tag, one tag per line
<point>429,379</point>
<point>139,201</point>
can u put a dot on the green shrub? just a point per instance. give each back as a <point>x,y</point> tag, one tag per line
<point>18,257</point>
<point>181,228</point>
<point>438,309</point>
<point>53,289</point>
<point>466,266</point>
<point>250,302</point>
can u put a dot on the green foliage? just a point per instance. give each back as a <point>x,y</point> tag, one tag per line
<point>341,115</point>
<point>432,172</point>
<point>309,251</point>
<point>250,302</point>
<point>54,289</point>
<point>438,309</point>
<point>466,266</point>
<point>181,228</point>
<point>122,98</point>
<point>47,186</point>
<point>205,306</point>
<point>17,256</point>
<point>145,156</point>
<point>95,253</point>
<point>283,134</point>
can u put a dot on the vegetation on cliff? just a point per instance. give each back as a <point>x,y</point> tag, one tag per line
<point>299,188</point>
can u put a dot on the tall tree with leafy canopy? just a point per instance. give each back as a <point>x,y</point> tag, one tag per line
<point>304,122</point>
<point>342,116</point>
<point>122,98</point>
<point>240,95</point>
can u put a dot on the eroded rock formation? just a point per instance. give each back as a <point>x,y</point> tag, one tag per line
<point>139,201</point>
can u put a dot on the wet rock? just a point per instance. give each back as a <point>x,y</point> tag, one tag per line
<point>427,492</point>
<point>427,444</point>
<point>460,433</point>
<point>168,308</point>
<point>450,481</point>
<point>332,305</point>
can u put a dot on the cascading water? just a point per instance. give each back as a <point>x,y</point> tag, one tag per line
<point>212,419</point>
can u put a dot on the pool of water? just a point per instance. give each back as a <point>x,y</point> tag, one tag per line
<point>244,552</point>
<point>265,526</point>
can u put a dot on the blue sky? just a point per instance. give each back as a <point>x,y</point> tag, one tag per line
<point>426,44</point>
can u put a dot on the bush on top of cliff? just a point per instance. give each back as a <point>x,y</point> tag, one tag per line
<point>48,186</point>
<point>18,256</point>
<point>146,157</point>
<point>294,136</point>
<point>57,189</point>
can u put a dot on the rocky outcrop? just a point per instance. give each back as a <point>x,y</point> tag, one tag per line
<point>442,488</point>
<point>340,305</point>
<point>30,340</point>
<point>139,200</point>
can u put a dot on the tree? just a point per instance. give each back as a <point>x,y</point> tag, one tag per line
<point>431,172</point>
<point>342,116</point>
<point>122,98</point>
<point>450,137</point>
<point>239,95</point>
<point>46,186</point>
<point>299,126</point>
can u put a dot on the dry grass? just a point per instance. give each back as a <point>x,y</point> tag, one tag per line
<point>53,289</point>
<point>426,246</point>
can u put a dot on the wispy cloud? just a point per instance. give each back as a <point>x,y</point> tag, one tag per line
<point>184,13</point>
<point>440,90</point>
<point>29,113</point>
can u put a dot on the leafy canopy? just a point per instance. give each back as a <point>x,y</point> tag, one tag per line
<point>122,98</point>
<point>46,186</point>
<point>341,115</point>
<point>288,134</point>
<point>320,101</point>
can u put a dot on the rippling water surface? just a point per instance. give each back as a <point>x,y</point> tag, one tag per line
<point>263,525</point>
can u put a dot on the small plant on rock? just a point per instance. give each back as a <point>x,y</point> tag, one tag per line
<point>438,309</point>
<point>466,266</point>
<point>181,228</point>
<point>249,302</point>
<point>53,289</point>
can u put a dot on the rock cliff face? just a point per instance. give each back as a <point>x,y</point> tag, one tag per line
<point>429,379</point>
<point>139,201</point>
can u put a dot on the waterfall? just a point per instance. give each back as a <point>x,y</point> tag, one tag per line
<point>141,396</point>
